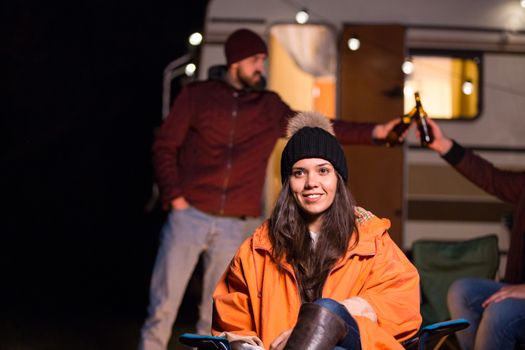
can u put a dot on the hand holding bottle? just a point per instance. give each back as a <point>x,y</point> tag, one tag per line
<point>398,132</point>
<point>426,135</point>
<point>441,143</point>
<point>392,132</point>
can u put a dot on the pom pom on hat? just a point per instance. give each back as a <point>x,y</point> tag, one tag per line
<point>241,44</point>
<point>308,119</point>
<point>311,135</point>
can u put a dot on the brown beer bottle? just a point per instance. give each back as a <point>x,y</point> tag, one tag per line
<point>425,131</point>
<point>393,136</point>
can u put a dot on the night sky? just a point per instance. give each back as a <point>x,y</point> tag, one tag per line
<point>81,87</point>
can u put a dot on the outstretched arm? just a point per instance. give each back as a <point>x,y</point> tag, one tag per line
<point>359,133</point>
<point>504,184</point>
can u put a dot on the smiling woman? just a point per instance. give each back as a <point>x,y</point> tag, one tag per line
<point>313,184</point>
<point>317,163</point>
<point>331,265</point>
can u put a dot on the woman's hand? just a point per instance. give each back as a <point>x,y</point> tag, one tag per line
<point>511,291</point>
<point>280,342</point>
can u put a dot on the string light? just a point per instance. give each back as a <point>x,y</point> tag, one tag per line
<point>302,16</point>
<point>408,66</point>
<point>190,69</point>
<point>408,90</point>
<point>467,87</point>
<point>195,39</point>
<point>354,43</point>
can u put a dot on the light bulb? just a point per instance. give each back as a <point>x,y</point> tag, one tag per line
<point>522,3</point>
<point>408,66</point>
<point>195,39</point>
<point>190,69</point>
<point>467,87</point>
<point>354,43</point>
<point>302,16</point>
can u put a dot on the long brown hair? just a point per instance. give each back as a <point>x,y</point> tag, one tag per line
<point>291,240</point>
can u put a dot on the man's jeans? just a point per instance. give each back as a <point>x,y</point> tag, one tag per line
<point>186,234</point>
<point>499,326</point>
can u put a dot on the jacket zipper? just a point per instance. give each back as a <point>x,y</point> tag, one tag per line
<point>229,153</point>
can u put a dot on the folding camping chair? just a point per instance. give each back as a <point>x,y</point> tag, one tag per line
<point>440,263</point>
<point>429,337</point>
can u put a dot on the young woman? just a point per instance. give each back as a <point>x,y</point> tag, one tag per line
<point>321,272</point>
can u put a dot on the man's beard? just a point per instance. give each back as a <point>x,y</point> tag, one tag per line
<point>249,82</point>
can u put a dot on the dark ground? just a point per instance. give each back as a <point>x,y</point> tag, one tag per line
<point>80,99</point>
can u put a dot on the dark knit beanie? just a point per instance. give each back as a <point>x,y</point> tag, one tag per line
<point>311,136</point>
<point>241,44</point>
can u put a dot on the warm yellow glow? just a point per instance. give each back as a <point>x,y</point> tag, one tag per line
<point>465,104</point>
<point>431,77</point>
<point>289,81</point>
<point>323,95</point>
<point>440,81</point>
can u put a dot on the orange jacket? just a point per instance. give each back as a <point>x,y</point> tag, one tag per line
<point>254,299</point>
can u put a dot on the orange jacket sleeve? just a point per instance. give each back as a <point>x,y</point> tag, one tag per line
<point>232,302</point>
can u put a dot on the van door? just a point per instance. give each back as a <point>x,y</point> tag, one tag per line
<point>371,90</point>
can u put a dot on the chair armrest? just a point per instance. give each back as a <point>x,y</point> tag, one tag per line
<point>434,332</point>
<point>441,329</point>
<point>204,342</point>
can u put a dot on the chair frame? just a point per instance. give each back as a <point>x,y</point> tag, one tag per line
<point>428,335</point>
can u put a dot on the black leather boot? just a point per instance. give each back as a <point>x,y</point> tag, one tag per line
<point>317,328</point>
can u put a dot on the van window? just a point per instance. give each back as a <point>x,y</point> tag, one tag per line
<point>449,83</point>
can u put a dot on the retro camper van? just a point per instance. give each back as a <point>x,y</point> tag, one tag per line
<point>363,60</point>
